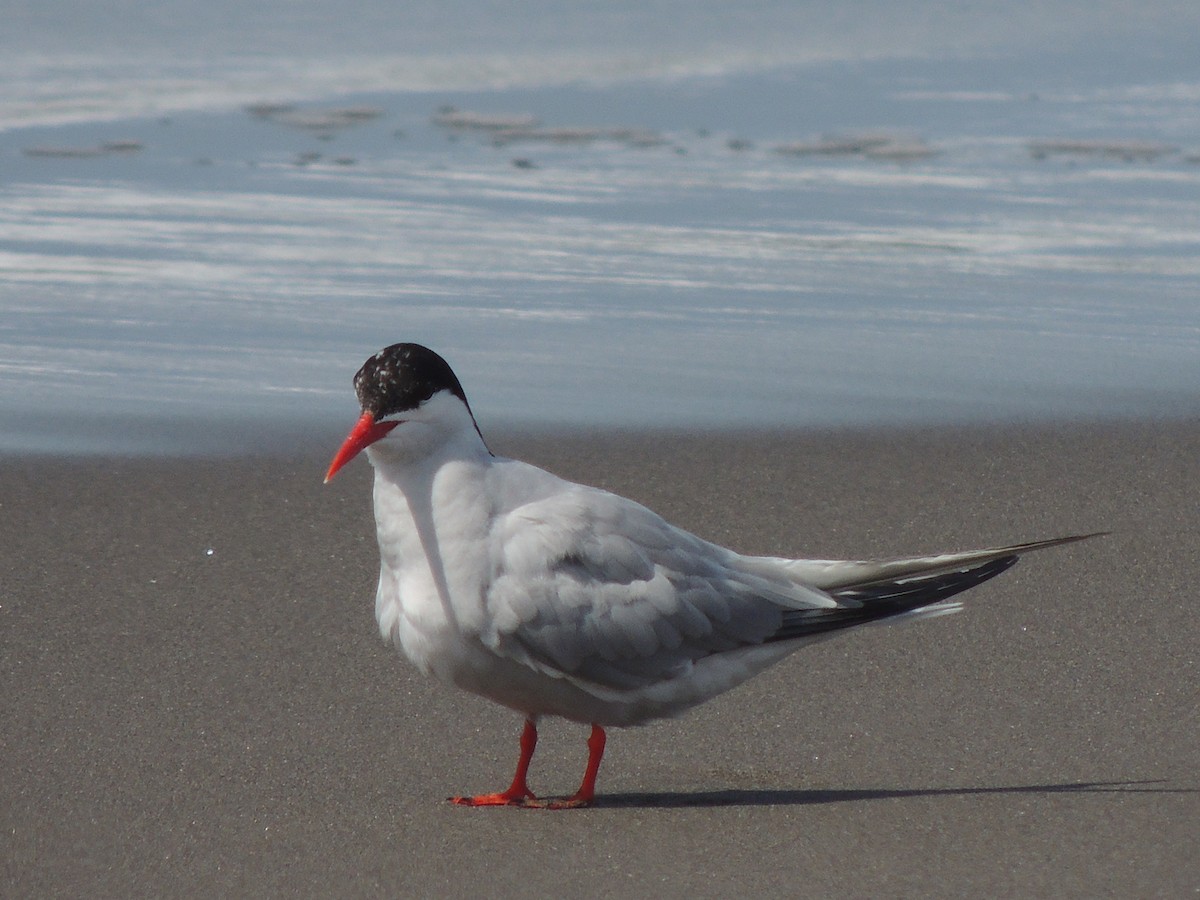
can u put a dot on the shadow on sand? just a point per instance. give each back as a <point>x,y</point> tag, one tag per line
<point>668,800</point>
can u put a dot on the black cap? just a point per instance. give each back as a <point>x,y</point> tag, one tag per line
<point>402,377</point>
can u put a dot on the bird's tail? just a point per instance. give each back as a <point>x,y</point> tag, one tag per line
<point>898,589</point>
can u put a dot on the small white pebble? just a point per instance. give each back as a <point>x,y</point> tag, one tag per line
<point>208,552</point>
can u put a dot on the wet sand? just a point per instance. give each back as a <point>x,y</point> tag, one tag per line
<point>197,703</point>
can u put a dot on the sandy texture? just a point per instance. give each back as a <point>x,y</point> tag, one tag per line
<point>196,701</point>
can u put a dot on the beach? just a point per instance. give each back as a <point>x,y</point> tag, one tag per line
<point>197,701</point>
<point>879,279</point>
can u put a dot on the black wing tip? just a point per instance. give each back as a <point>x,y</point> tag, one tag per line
<point>1030,546</point>
<point>885,600</point>
<point>880,600</point>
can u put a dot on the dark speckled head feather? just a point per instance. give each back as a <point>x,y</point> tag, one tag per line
<point>402,377</point>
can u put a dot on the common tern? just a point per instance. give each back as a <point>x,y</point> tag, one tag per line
<point>553,598</point>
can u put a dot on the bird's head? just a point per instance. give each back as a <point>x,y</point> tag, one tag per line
<point>410,397</point>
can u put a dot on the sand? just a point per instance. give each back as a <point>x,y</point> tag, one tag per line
<point>196,700</point>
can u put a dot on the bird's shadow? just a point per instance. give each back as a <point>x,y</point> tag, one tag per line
<point>768,797</point>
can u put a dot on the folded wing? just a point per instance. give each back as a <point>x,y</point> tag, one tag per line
<point>594,587</point>
<point>589,586</point>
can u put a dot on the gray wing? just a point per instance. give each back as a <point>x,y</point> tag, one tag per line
<point>589,585</point>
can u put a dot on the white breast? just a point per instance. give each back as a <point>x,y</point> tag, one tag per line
<point>433,522</point>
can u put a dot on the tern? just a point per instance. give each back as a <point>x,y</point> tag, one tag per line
<point>556,599</point>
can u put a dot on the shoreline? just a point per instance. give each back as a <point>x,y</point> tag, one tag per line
<point>245,437</point>
<point>201,703</point>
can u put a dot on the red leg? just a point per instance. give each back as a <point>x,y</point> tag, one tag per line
<point>518,793</point>
<point>587,790</point>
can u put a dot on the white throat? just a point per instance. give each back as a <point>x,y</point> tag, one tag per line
<point>440,430</point>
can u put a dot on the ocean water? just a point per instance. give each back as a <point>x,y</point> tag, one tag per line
<point>658,214</point>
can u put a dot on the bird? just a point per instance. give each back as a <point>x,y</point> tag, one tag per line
<point>553,598</point>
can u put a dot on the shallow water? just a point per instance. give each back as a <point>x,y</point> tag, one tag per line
<point>716,228</point>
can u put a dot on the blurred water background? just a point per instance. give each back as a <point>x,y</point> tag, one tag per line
<point>604,214</point>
